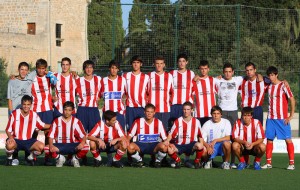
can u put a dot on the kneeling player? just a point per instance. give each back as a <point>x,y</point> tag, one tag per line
<point>70,137</point>
<point>216,132</point>
<point>248,137</point>
<point>21,125</point>
<point>108,137</point>
<point>187,135</point>
<point>148,130</point>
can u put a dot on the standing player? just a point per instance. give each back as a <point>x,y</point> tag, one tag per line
<point>216,133</point>
<point>187,135</point>
<point>20,128</point>
<point>69,136</point>
<point>88,91</point>
<point>109,137</point>
<point>204,90</point>
<point>64,88</point>
<point>148,131</point>
<point>160,91</point>
<point>248,136</point>
<point>136,91</point>
<point>182,82</point>
<point>113,88</point>
<point>278,122</point>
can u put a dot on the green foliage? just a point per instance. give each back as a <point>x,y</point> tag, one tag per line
<point>3,82</point>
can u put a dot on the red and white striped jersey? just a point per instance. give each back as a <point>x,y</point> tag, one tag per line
<point>140,126</point>
<point>186,132</point>
<point>41,94</point>
<point>278,100</point>
<point>182,83</point>
<point>250,133</point>
<point>112,92</point>
<point>64,91</point>
<point>105,133</point>
<point>205,93</point>
<point>136,89</point>
<point>252,93</point>
<point>88,91</point>
<point>160,91</point>
<point>22,127</point>
<point>71,131</point>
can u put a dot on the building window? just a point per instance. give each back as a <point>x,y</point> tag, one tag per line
<point>58,34</point>
<point>31,28</point>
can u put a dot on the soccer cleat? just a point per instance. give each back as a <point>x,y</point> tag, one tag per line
<point>158,164</point>
<point>256,166</point>
<point>266,166</point>
<point>208,164</point>
<point>241,166</point>
<point>75,163</point>
<point>178,165</point>
<point>15,162</point>
<point>291,167</point>
<point>188,164</point>
<point>8,162</point>
<point>233,166</point>
<point>140,164</point>
<point>97,163</point>
<point>60,161</point>
<point>30,162</point>
<point>172,163</point>
<point>117,164</point>
<point>164,162</point>
<point>226,166</point>
<point>197,165</point>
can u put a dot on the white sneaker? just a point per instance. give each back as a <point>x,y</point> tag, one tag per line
<point>60,161</point>
<point>233,166</point>
<point>226,166</point>
<point>291,167</point>
<point>208,164</point>
<point>266,166</point>
<point>172,163</point>
<point>75,162</point>
<point>15,162</point>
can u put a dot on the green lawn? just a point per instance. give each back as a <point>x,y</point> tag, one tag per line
<point>87,177</point>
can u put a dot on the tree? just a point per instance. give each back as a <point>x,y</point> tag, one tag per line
<point>3,82</point>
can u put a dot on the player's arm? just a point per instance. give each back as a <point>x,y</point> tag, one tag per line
<point>98,141</point>
<point>82,143</point>
<point>46,127</point>
<point>10,107</point>
<point>257,142</point>
<point>226,138</point>
<point>240,141</point>
<point>292,110</point>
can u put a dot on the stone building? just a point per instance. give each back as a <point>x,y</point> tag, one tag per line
<point>48,29</point>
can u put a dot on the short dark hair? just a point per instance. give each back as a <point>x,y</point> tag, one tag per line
<point>41,63</point>
<point>250,64</point>
<point>188,104</point>
<point>136,58</point>
<point>114,63</point>
<point>69,104</point>
<point>247,110</point>
<point>158,57</point>
<point>66,59</point>
<point>228,65</point>
<point>108,115</point>
<point>88,62</point>
<point>182,55</point>
<point>23,64</point>
<point>216,108</point>
<point>272,70</point>
<point>26,98</point>
<point>203,63</point>
<point>149,106</point>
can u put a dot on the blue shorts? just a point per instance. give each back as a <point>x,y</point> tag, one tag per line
<point>46,116</point>
<point>132,114</point>
<point>109,149</point>
<point>164,118</point>
<point>218,150</point>
<point>277,128</point>
<point>121,120</point>
<point>147,148</point>
<point>25,144</point>
<point>258,114</point>
<point>88,116</point>
<point>185,148</point>
<point>66,148</point>
<point>203,120</point>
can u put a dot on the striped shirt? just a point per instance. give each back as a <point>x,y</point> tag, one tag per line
<point>250,133</point>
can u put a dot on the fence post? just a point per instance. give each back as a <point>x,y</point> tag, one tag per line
<point>113,31</point>
<point>176,34</point>
<point>238,33</point>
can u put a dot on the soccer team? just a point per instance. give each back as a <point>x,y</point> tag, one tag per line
<point>165,114</point>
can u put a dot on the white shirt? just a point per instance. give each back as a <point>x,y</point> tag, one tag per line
<point>211,131</point>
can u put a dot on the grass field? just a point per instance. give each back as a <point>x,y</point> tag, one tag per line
<point>87,177</point>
